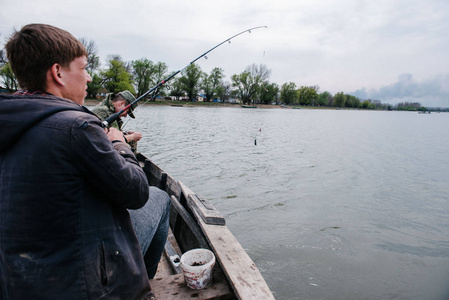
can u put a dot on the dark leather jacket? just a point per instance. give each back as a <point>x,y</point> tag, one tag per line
<point>65,232</point>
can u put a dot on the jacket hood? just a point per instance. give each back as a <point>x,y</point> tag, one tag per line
<point>18,113</point>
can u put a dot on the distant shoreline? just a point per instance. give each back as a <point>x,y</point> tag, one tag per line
<point>93,102</point>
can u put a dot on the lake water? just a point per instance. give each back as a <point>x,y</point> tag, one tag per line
<point>330,204</point>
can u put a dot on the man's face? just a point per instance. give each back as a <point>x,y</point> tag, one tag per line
<point>119,105</point>
<point>76,78</point>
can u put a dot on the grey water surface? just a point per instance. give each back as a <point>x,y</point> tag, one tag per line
<point>330,204</point>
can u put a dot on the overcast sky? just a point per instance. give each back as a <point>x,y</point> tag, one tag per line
<point>388,50</point>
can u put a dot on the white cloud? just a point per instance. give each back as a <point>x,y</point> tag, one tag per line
<point>432,92</point>
<point>339,45</point>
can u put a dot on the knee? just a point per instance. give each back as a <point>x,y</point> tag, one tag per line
<point>162,197</point>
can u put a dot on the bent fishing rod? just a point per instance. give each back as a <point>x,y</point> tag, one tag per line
<point>116,116</point>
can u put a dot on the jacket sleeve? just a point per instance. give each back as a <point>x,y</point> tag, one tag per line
<point>103,113</point>
<point>111,168</point>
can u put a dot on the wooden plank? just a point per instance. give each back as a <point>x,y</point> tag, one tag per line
<point>191,223</point>
<point>174,288</point>
<point>156,177</point>
<point>173,242</point>
<point>206,210</point>
<point>243,275</point>
<point>172,187</point>
<point>172,257</point>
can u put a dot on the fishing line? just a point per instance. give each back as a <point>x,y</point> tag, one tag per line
<point>114,117</point>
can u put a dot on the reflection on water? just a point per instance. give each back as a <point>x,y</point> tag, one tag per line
<point>329,204</point>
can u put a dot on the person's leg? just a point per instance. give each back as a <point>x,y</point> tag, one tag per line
<point>151,226</point>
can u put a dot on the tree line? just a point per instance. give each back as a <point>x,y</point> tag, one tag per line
<point>252,86</point>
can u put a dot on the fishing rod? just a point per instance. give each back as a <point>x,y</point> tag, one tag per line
<point>116,116</point>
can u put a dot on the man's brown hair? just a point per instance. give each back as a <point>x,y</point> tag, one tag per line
<point>35,48</point>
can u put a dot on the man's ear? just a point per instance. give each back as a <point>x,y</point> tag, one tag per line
<point>55,73</point>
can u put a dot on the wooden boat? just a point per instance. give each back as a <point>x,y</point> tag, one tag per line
<point>249,106</point>
<point>196,223</point>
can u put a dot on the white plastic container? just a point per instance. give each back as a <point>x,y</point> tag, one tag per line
<point>197,266</point>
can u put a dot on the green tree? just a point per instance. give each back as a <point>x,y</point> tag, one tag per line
<point>248,82</point>
<point>323,99</point>
<point>411,106</point>
<point>357,102</point>
<point>340,99</point>
<point>9,80</point>
<point>289,93</point>
<point>352,101</point>
<point>191,80</point>
<point>224,90</point>
<point>243,87</point>
<point>148,74</point>
<point>160,73</point>
<point>142,71</point>
<point>94,86</point>
<point>206,85</point>
<point>217,79</point>
<point>308,95</point>
<point>365,104</point>
<point>176,88</point>
<point>3,59</point>
<point>212,83</point>
<point>378,104</point>
<point>116,78</point>
<point>269,92</point>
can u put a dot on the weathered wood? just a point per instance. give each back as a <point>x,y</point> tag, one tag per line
<point>206,210</point>
<point>174,288</point>
<point>156,177</point>
<point>193,225</point>
<point>173,242</point>
<point>242,273</point>
<point>165,267</point>
<point>172,187</point>
<point>173,258</point>
<point>245,278</point>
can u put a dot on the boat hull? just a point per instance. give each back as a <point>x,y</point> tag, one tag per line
<point>196,223</point>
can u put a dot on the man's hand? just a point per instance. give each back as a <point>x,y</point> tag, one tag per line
<point>133,136</point>
<point>115,135</point>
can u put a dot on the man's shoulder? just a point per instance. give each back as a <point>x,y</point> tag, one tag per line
<point>99,107</point>
<point>39,104</point>
<point>105,105</point>
<point>102,111</point>
<point>72,120</point>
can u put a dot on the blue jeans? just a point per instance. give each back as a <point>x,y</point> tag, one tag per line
<point>151,226</point>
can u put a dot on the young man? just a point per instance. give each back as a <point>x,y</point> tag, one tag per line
<point>66,185</point>
<point>113,104</point>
